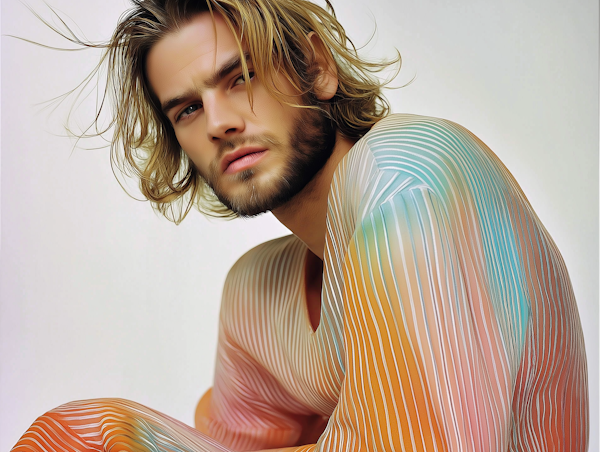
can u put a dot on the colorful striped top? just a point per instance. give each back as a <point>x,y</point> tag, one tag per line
<point>448,321</point>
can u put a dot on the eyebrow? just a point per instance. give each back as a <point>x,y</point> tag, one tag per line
<point>226,68</point>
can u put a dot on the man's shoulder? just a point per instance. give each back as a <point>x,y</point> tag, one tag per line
<point>401,129</point>
<point>417,148</point>
<point>258,279</point>
<point>404,152</point>
<point>398,140</point>
<point>393,145</point>
<point>280,253</point>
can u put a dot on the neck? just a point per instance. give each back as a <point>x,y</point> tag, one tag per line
<point>306,213</point>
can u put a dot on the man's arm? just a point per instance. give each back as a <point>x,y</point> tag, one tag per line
<point>311,429</point>
<point>247,408</point>
<point>425,363</point>
<point>425,366</point>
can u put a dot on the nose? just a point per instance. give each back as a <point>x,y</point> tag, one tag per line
<point>223,121</point>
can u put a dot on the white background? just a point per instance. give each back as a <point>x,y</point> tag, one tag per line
<point>100,297</point>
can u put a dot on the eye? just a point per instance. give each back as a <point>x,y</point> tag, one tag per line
<point>241,80</point>
<point>188,111</point>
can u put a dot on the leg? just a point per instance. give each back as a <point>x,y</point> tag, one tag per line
<point>115,425</point>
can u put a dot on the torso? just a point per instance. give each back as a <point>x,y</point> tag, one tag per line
<point>292,322</point>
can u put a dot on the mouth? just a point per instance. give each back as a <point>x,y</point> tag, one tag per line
<point>241,159</point>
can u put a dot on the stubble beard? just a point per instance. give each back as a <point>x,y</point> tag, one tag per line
<point>311,144</point>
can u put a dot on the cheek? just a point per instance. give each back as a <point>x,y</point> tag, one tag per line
<point>195,145</point>
<point>277,118</point>
<point>272,112</point>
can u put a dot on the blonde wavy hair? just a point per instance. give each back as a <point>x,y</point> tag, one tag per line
<point>274,34</point>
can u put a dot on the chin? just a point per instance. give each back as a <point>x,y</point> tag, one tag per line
<point>256,197</point>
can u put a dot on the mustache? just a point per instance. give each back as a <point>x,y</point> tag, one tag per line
<point>266,140</point>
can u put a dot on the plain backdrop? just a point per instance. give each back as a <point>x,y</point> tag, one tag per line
<point>101,297</point>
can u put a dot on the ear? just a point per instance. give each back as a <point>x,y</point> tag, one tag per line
<point>326,84</point>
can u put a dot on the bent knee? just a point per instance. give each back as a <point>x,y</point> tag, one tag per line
<point>80,425</point>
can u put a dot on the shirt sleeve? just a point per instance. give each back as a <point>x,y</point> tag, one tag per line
<point>422,359</point>
<point>248,410</point>
<point>425,368</point>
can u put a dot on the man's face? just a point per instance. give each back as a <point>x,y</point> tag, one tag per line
<point>254,158</point>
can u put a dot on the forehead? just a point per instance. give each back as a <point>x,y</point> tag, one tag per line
<point>186,57</point>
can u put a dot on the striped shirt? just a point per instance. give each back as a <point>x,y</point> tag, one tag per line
<point>448,322</point>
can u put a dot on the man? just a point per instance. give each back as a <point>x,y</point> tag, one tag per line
<point>419,305</point>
